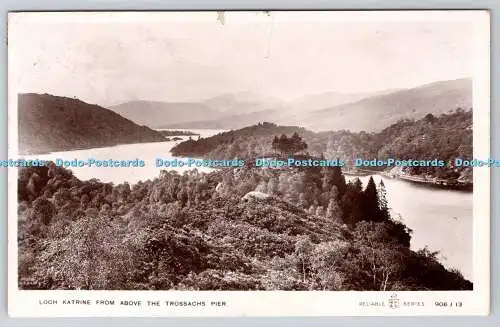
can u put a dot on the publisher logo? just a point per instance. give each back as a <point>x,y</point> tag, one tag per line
<point>393,301</point>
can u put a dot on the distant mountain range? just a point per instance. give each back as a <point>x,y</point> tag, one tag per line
<point>377,112</point>
<point>329,99</point>
<point>50,123</point>
<point>156,114</point>
<point>241,103</point>
<point>328,111</point>
<point>230,121</point>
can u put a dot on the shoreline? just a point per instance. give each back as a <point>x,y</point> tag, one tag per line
<point>415,179</point>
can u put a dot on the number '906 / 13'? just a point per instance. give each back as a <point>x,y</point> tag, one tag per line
<point>447,304</point>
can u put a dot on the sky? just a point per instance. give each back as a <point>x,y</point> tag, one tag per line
<point>107,59</point>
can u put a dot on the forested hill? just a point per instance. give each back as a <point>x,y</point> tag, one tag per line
<point>444,137</point>
<point>51,123</point>
<point>245,142</point>
<point>234,229</point>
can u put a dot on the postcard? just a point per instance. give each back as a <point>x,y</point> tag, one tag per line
<point>249,163</point>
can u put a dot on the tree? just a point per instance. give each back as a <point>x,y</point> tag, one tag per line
<point>380,253</point>
<point>358,185</point>
<point>371,202</point>
<point>333,211</point>
<point>325,260</point>
<point>332,176</point>
<point>352,203</point>
<point>429,117</point>
<point>61,197</point>
<point>43,210</point>
<point>303,250</point>
<point>382,201</point>
<point>286,145</point>
<point>297,144</point>
<point>276,144</point>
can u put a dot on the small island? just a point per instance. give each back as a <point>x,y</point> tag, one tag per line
<point>167,133</point>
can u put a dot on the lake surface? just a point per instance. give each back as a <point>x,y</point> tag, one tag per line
<point>440,219</point>
<point>148,152</point>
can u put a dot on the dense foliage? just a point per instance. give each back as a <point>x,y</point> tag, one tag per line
<point>443,137</point>
<point>198,231</point>
<point>50,123</point>
<point>289,145</point>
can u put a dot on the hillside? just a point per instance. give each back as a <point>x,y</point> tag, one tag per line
<point>377,112</point>
<point>244,142</point>
<point>50,123</point>
<point>197,232</point>
<point>156,114</point>
<point>444,137</point>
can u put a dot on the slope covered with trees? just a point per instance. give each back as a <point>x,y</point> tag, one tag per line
<point>196,232</point>
<point>50,123</point>
<point>246,142</point>
<point>444,137</point>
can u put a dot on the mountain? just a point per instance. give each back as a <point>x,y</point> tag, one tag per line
<point>50,123</point>
<point>156,114</point>
<point>231,121</point>
<point>336,111</point>
<point>377,112</point>
<point>246,108</point>
<point>223,111</point>
<point>328,99</point>
<point>241,103</point>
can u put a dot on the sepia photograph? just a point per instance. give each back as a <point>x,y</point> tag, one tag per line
<point>250,151</point>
